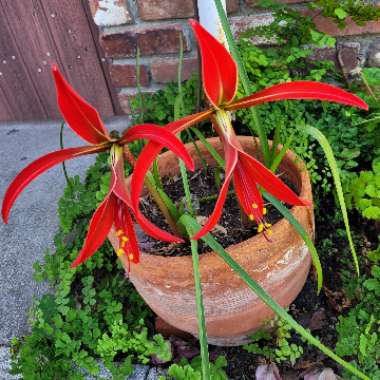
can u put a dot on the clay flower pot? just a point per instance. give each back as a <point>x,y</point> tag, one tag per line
<point>232,310</point>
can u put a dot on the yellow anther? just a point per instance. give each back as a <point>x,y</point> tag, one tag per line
<point>130,256</point>
<point>254,205</point>
<point>120,252</point>
<point>265,211</point>
<point>119,232</point>
<point>267,225</point>
<point>122,245</point>
<point>260,228</point>
<point>124,238</point>
<point>269,232</point>
<point>250,216</point>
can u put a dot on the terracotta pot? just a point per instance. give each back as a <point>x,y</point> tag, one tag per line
<point>232,310</point>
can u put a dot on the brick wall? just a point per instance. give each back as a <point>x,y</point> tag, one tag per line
<point>155,26</point>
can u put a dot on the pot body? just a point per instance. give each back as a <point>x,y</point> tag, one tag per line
<point>233,311</point>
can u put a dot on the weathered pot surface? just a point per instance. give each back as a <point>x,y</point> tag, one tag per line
<point>233,311</point>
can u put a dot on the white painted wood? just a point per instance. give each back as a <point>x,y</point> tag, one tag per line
<point>208,17</point>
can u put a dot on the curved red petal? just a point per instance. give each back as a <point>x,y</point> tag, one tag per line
<point>100,225</point>
<point>133,243</point>
<point>300,90</point>
<point>231,156</point>
<point>248,194</point>
<point>118,178</point>
<point>36,168</point>
<point>219,70</point>
<point>154,231</point>
<point>81,117</point>
<point>159,135</point>
<point>152,149</point>
<point>270,182</point>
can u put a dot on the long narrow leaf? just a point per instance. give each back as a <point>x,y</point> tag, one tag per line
<point>301,231</point>
<point>244,79</point>
<point>193,227</point>
<point>323,142</point>
<point>200,312</point>
<point>277,158</point>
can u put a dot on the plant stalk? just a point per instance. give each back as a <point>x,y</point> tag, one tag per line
<point>151,186</point>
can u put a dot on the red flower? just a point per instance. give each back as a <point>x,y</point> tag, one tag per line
<point>85,121</point>
<point>220,81</point>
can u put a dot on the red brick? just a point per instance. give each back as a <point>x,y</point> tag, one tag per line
<point>119,45</point>
<point>232,6</point>
<point>165,9</point>
<point>328,26</point>
<point>165,70</point>
<point>125,75</point>
<point>161,40</point>
<point>150,40</point>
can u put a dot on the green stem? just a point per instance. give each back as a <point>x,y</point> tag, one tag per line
<point>63,163</point>
<point>244,80</point>
<point>200,312</point>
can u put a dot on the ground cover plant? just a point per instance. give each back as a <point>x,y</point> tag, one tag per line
<point>136,344</point>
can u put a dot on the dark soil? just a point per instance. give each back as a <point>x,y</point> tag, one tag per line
<point>232,228</point>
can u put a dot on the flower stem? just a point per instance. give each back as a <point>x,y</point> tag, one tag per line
<point>151,186</point>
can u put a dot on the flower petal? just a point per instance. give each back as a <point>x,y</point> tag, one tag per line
<point>120,191</point>
<point>270,182</point>
<point>219,70</point>
<point>100,225</point>
<point>153,231</point>
<point>231,156</point>
<point>81,117</point>
<point>162,136</point>
<point>36,168</point>
<point>248,194</point>
<point>151,151</point>
<point>299,90</point>
<point>133,243</point>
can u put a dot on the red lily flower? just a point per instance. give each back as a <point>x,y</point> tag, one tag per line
<point>220,81</point>
<point>85,121</point>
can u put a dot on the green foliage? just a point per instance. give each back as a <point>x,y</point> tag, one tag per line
<point>359,331</point>
<point>94,311</point>
<point>365,192</point>
<point>159,107</point>
<point>192,371</point>
<point>277,346</point>
<point>361,11</point>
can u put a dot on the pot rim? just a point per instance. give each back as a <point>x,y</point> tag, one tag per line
<point>298,167</point>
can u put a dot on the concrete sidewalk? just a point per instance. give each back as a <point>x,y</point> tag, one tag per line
<point>33,221</point>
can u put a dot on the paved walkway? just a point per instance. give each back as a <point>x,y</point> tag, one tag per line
<point>33,221</point>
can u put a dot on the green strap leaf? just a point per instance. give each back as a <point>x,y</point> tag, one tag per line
<point>277,158</point>
<point>200,312</point>
<point>301,231</point>
<point>193,227</point>
<point>323,142</point>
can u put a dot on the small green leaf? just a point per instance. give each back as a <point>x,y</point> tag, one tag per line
<point>340,13</point>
